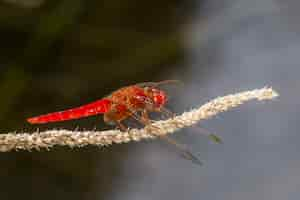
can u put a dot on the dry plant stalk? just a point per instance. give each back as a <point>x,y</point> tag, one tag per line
<point>50,138</point>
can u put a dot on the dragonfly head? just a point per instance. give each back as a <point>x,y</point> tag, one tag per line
<point>158,96</point>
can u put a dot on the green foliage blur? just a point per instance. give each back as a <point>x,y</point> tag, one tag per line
<point>63,53</point>
<point>68,52</point>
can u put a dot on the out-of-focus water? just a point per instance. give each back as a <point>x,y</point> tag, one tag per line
<point>240,45</point>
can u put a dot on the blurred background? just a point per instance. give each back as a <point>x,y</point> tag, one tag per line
<point>63,53</point>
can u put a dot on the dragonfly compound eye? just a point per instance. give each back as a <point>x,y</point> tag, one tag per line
<point>160,98</point>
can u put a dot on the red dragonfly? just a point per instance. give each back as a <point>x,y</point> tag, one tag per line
<point>134,101</point>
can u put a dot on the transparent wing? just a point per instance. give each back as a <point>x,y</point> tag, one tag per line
<point>156,84</point>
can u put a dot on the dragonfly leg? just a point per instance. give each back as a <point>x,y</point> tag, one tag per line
<point>121,126</point>
<point>167,112</point>
<point>145,117</point>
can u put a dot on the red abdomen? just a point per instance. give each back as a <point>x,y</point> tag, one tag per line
<point>97,107</point>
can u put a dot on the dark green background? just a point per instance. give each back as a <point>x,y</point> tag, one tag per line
<point>70,52</point>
